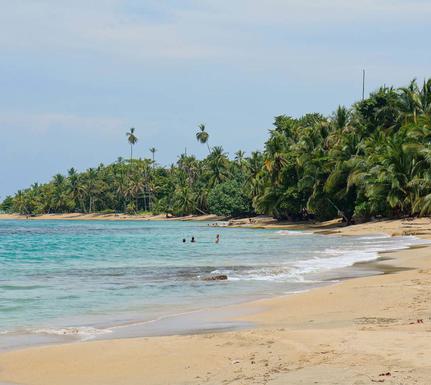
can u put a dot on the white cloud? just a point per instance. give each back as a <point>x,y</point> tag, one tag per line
<point>204,29</point>
<point>307,13</point>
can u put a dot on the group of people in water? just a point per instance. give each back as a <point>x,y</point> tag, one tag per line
<point>193,240</point>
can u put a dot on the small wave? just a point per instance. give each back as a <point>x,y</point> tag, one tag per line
<point>375,236</point>
<point>84,332</point>
<point>293,232</point>
<point>345,259</point>
<point>266,273</point>
<point>329,258</point>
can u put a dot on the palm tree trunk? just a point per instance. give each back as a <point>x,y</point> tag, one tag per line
<point>340,212</point>
<point>82,204</point>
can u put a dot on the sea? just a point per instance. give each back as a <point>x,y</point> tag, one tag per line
<point>83,280</point>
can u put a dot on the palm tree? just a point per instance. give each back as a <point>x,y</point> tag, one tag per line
<point>91,188</point>
<point>410,101</point>
<point>371,159</point>
<point>202,136</point>
<point>218,166</point>
<point>185,200</point>
<point>135,188</point>
<point>132,139</point>
<point>73,178</point>
<point>239,156</point>
<point>20,202</point>
<point>153,151</point>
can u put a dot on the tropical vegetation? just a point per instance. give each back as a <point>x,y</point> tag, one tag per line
<point>372,159</point>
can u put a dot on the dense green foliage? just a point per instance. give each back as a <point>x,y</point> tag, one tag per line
<point>372,159</point>
<point>229,199</point>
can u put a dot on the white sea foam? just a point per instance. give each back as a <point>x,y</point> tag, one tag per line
<point>341,260</point>
<point>322,260</point>
<point>84,332</point>
<point>293,232</point>
<point>375,236</point>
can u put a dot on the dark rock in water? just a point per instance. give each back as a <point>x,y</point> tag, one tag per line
<point>220,277</point>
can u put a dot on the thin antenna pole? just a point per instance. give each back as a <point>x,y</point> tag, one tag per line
<point>363,84</point>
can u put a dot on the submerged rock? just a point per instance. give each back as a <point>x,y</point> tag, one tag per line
<point>219,277</point>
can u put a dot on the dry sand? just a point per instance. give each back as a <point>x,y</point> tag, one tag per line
<point>361,331</point>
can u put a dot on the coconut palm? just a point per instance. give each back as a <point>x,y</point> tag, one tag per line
<point>185,200</point>
<point>410,101</point>
<point>153,151</point>
<point>371,159</point>
<point>202,136</point>
<point>132,139</point>
<point>218,166</point>
<point>239,156</point>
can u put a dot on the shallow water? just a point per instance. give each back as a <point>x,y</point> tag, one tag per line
<point>84,277</point>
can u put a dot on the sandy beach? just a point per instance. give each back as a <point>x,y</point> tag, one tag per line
<point>365,330</point>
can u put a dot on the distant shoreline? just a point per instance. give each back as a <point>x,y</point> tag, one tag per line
<point>394,227</point>
<point>111,217</point>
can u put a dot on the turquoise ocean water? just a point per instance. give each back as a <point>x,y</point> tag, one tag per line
<point>85,277</point>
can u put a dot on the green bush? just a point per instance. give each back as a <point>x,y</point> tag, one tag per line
<point>229,199</point>
<point>362,211</point>
<point>6,205</point>
<point>131,208</point>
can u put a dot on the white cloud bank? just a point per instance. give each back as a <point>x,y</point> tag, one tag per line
<point>199,29</point>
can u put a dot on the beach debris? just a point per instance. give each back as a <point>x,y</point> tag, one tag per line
<point>219,277</point>
<point>235,362</point>
<point>418,321</point>
<point>385,374</point>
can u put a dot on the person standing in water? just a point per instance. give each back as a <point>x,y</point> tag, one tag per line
<point>217,238</point>
<point>193,240</point>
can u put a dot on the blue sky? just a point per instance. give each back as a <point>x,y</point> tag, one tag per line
<point>76,75</point>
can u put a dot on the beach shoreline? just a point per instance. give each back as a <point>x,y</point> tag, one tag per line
<point>286,345</point>
<point>420,227</point>
<point>111,217</point>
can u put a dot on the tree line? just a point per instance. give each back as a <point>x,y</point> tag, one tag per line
<point>372,159</point>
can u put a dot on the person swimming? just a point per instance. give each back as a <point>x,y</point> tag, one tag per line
<point>193,240</point>
<point>217,238</point>
<point>184,240</point>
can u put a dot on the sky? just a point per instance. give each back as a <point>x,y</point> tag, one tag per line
<point>76,75</point>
